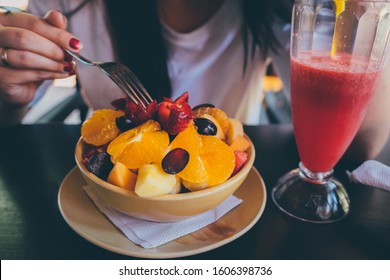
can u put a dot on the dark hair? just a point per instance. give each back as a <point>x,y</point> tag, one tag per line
<point>138,41</point>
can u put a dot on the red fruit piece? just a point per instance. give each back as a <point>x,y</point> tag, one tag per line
<point>88,152</point>
<point>164,109</point>
<point>179,118</point>
<point>138,114</point>
<point>151,109</point>
<point>175,116</point>
<point>241,158</point>
<point>182,99</point>
<point>175,161</point>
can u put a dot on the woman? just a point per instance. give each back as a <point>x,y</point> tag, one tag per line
<point>218,50</point>
<point>202,41</point>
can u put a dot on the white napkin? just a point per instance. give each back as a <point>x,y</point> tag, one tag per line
<point>372,173</point>
<point>152,234</point>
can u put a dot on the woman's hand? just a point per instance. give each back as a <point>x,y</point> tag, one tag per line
<point>32,51</point>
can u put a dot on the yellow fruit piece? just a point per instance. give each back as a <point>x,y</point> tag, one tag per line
<point>190,140</point>
<point>217,113</point>
<point>153,181</point>
<point>235,129</point>
<point>100,128</point>
<point>240,144</point>
<point>177,187</point>
<point>194,186</point>
<point>218,159</point>
<point>139,146</point>
<point>122,177</point>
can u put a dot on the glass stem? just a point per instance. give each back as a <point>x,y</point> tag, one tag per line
<point>314,177</point>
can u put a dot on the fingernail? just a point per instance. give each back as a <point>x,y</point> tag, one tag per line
<point>67,57</point>
<point>74,43</point>
<point>63,17</point>
<point>69,67</point>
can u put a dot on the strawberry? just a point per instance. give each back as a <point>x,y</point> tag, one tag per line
<point>182,99</point>
<point>164,109</point>
<point>136,112</point>
<point>174,116</point>
<point>241,158</point>
<point>179,118</point>
<point>152,108</point>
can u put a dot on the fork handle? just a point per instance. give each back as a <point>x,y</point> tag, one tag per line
<point>80,58</point>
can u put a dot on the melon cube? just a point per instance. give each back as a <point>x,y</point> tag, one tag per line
<point>122,177</point>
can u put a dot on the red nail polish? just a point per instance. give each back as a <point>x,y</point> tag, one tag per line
<point>74,43</point>
<point>69,67</point>
<point>68,57</point>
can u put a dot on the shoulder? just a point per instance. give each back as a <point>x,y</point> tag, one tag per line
<point>40,7</point>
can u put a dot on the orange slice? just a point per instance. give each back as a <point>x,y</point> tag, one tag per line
<point>217,113</point>
<point>218,159</point>
<point>120,142</point>
<point>211,160</point>
<point>139,146</point>
<point>100,128</point>
<point>190,140</point>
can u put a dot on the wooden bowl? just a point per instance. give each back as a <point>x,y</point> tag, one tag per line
<point>164,208</point>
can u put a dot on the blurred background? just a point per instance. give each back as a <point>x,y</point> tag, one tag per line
<point>60,100</point>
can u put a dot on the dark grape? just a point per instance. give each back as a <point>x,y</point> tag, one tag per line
<point>124,123</point>
<point>100,165</point>
<point>203,105</point>
<point>175,161</point>
<point>205,126</point>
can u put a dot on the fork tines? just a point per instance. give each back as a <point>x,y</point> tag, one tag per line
<point>134,88</point>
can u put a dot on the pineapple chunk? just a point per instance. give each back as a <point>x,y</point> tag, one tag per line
<point>240,144</point>
<point>153,181</point>
<point>191,186</point>
<point>235,129</point>
<point>122,177</point>
<point>177,187</point>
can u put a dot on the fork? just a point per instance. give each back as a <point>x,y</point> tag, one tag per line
<point>126,80</point>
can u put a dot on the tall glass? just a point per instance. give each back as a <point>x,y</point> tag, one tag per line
<point>337,51</point>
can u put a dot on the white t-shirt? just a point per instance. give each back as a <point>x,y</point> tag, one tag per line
<point>207,62</point>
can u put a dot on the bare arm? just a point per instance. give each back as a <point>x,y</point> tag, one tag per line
<point>34,48</point>
<point>375,129</point>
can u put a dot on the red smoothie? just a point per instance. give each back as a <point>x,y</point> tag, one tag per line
<point>329,99</point>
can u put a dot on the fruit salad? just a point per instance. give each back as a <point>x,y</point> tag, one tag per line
<point>163,148</point>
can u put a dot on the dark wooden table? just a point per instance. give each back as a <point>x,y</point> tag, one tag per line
<point>35,159</point>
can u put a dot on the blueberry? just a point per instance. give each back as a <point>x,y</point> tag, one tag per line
<point>205,126</point>
<point>124,123</point>
<point>100,164</point>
